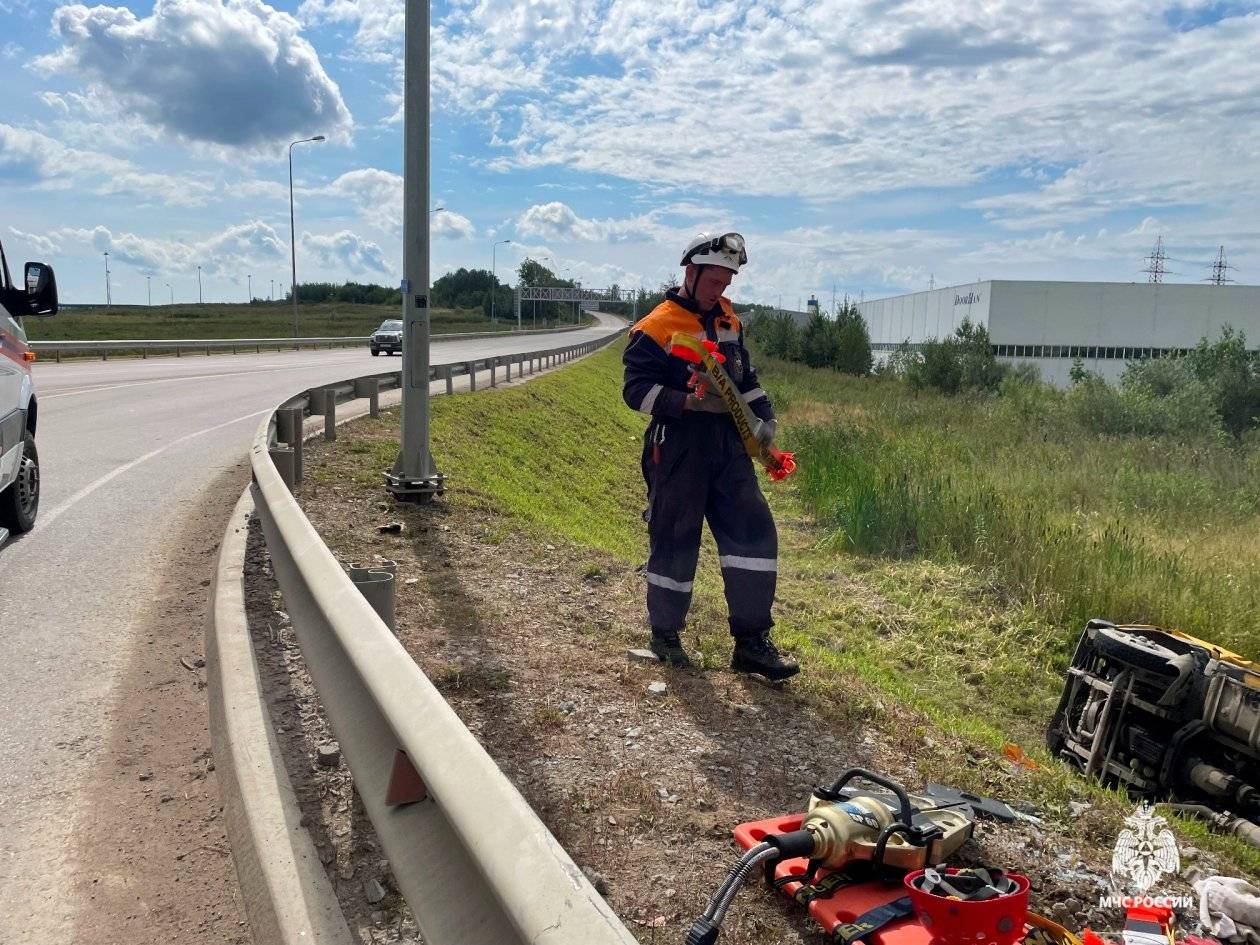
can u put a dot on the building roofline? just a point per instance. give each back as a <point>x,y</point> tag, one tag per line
<point>1156,286</point>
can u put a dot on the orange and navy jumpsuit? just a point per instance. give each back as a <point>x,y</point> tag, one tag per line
<point>697,470</point>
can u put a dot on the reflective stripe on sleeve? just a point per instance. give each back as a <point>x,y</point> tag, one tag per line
<point>755,394</point>
<point>650,400</point>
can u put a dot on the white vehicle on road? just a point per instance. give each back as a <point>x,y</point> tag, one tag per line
<point>19,407</point>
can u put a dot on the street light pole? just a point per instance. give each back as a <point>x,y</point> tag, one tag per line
<point>168,285</point>
<point>293,231</point>
<point>414,477</point>
<point>249,289</point>
<point>272,294</point>
<point>494,277</point>
<point>199,299</point>
<point>108,300</point>
<point>148,281</point>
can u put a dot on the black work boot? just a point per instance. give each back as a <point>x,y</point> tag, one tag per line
<point>669,649</point>
<point>760,655</point>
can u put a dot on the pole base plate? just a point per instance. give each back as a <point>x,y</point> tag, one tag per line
<point>421,491</point>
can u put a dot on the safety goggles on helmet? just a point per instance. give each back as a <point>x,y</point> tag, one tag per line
<point>727,250</point>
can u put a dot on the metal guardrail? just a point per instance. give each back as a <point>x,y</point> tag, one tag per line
<point>209,345</point>
<point>471,857</point>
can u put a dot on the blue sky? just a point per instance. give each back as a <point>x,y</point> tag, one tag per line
<point>862,146</point>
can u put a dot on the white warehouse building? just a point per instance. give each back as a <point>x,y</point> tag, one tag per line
<point>1049,324</point>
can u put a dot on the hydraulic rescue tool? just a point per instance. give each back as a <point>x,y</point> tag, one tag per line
<point>704,354</point>
<point>850,840</point>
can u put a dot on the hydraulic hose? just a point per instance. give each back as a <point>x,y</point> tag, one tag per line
<point>1225,822</point>
<point>704,931</point>
<point>722,899</point>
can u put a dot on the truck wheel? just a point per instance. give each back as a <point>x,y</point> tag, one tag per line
<point>1133,649</point>
<point>375,353</point>
<point>20,502</point>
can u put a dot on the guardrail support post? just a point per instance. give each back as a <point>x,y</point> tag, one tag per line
<point>376,583</point>
<point>450,384</point>
<point>369,387</point>
<point>283,457</point>
<point>289,431</point>
<point>330,413</point>
<point>493,362</point>
<point>471,367</point>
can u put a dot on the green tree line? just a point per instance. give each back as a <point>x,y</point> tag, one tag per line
<point>842,342</point>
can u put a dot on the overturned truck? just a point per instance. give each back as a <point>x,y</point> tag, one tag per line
<point>1167,717</point>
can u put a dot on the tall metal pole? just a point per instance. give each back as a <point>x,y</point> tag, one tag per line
<point>148,281</point>
<point>293,245</point>
<point>108,300</point>
<point>293,232</point>
<point>414,477</point>
<point>168,285</point>
<point>199,299</point>
<point>249,289</point>
<point>494,278</point>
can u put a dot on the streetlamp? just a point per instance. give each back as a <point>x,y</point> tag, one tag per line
<point>494,276</point>
<point>148,281</point>
<point>292,230</point>
<point>199,300</point>
<point>249,289</point>
<point>108,300</point>
<point>272,294</point>
<point>168,285</point>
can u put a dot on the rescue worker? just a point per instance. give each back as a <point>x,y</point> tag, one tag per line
<point>697,469</point>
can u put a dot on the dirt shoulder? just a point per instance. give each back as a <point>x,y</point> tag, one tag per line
<point>528,639</point>
<point>153,856</point>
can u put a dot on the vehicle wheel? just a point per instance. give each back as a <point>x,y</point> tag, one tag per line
<point>375,353</point>
<point>1133,649</point>
<point>19,503</point>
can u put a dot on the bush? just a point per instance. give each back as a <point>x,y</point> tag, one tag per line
<point>898,362</point>
<point>1154,398</point>
<point>1232,374</point>
<point>842,344</point>
<point>777,335</point>
<point>962,362</point>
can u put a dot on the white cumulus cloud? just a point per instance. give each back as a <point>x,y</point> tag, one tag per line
<point>226,72</point>
<point>344,250</point>
<point>227,251</point>
<point>32,158</point>
<point>378,195</point>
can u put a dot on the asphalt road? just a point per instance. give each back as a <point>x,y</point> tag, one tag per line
<point>126,449</point>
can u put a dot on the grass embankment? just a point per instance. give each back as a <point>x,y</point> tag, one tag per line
<point>942,554</point>
<point>161,322</point>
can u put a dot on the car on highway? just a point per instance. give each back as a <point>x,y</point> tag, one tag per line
<point>19,407</point>
<point>387,338</point>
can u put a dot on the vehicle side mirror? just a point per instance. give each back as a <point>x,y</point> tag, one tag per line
<point>41,289</point>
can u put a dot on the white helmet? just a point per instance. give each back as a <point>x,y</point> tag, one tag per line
<point>726,250</point>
